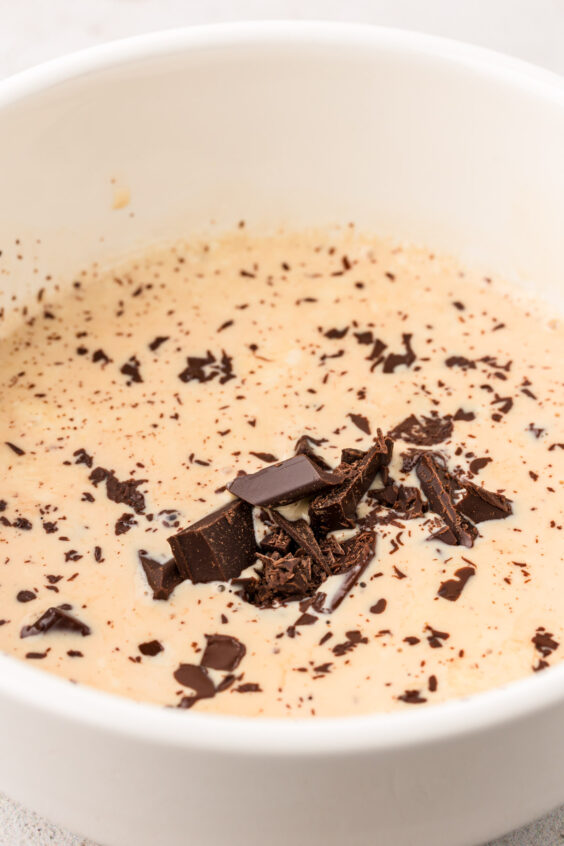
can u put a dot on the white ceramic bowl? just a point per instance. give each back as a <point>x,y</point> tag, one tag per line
<point>294,123</point>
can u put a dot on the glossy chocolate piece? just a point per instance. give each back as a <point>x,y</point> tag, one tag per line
<point>288,481</point>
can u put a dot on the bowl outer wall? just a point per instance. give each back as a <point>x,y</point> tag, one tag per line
<point>123,773</point>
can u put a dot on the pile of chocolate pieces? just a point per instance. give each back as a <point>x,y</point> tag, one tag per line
<point>295,557</point>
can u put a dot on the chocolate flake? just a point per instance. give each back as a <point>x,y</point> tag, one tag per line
<point>424,431</point>
<point>223,652</point>
<point>18,450</point>
<point>125,493</point>
<point>151,648</point>
<point>360,421</point>
<point>452,588</point>
<point>131,369</point>
<point>219,546</point>
<point>379,607</point>
<point>196,678</point>
<point>26,596</point>
<point>302,534</point>
<point>160,339</point>
<point>480,504</point>
<point>205,369</point>
<point>544,642</point>
<point>304,447</point>
<point>267,457</point>
<point>282,483</point>
<point>412,697</point>
<point>56,619</point>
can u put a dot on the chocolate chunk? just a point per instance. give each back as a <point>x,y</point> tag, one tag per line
<point>281,579</point>
<point>438,488</point>
<point>361,422</point>
<point>56,619</point>
<point>304,447</point>
<point>282,483</point>
<point>151,648</point>
<point>196,678</point>
<point>223,652</point>
<point>423,431</point>
<point>302,534</point>
<point>452,588</point>
<point>435,637</point>
<point>480,504</point>
<point>160,339</point>
<point>18,450</point>
<point>276,541</point>
<point>337,508</point>
<point>336,334</point>
<point>162,578</point>
<point>404,500</point>
<point>22,523</point>
<point>100,355</point>
<point>26,596</point>
<point>218,547</point>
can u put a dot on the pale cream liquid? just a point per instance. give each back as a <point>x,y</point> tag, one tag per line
<point>53,402</point>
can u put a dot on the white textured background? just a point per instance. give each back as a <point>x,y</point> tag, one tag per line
<point>32,31</point>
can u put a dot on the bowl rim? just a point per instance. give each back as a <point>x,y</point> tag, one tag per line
<point>87,707</point>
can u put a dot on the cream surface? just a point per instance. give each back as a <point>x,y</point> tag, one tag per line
<point>265,305</point>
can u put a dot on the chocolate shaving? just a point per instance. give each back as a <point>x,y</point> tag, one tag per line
<point>218,547</point>
<point>18,450</point>
<point>131,369</point>
<point>120,492</point>
<point>56,619</point>
<point>196,678</point>
<point>205,369</point>
<point>302,534</point>
<point>412,697</point>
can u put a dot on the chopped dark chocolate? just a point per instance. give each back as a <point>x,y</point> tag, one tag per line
<point>337,508</point>
<point>425,430</point>
<point>267,457</point>
<point>280,580</point>
<point>404,500</point>
<point>18,450</point>
<point>156,343</point>
<point>26,596</point>
<point>412,697</point>
<point>285,482</point>
<point>544,642</point>
<point>56,619</point>
<point>218,547</point>
<point>131,369</point>
<point>205,369</point>
<point>480,504</point>
<point>276,541</point>
<point>379,607</point>
<point>452,588</point>
<point>223,652</point>
<point>438,488</point>
<point>301,533</point>
<point>120,492</point>
<point>358,552</point>
<point>161,577</point>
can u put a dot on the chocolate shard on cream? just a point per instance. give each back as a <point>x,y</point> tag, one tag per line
<point>438,487</point>
<point>480,504</point>
<point>301,533</point>
<point>218,547</point>
<point>162,578</point>
<point>285,482</point>
<point>223,652</point>
<point>337,508</point>
<point>56,619</point>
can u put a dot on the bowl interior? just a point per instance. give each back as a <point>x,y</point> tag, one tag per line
<point>290,125</point>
